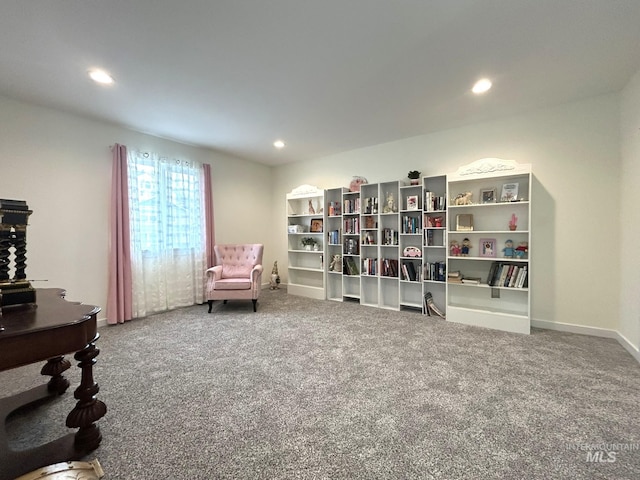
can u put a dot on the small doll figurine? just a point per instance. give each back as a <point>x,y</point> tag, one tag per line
<point>522,250</point>
<point>454,248</point>
<point>508,250</point>
<point>466,245</point>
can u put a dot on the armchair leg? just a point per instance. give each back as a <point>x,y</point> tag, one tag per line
<point>210,305</point>
<point>255,301</point>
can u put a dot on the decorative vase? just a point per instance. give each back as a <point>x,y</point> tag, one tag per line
<point>414,181</point>
<point>512,227</point>
<point>307,247</point>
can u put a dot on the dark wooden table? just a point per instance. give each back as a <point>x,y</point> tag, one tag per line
<point>45,333</point>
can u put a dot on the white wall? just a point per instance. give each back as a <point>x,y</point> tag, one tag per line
<point>629,218</point>
<point>61,165</point>
<point>574,150</point>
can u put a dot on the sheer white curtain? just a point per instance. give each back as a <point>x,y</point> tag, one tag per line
<point>167,221</point>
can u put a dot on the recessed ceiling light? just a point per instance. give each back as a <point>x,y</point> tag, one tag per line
<point>278,144</point>
<point>481,86</point>
<point>100,76</point>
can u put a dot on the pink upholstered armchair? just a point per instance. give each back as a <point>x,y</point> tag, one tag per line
<point>236,275</point>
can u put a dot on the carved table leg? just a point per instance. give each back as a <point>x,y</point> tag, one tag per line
<point>88,409</point>
<point>54,368</point>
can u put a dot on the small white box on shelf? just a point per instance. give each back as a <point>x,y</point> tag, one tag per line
<point>296,229</point>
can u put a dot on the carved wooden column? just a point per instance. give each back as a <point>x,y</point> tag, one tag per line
<point>88,409</point>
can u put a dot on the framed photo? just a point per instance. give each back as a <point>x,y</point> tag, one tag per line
<point>509,192</point>
<point>464,222</point>
<point>316,225</point>
<point>487,247</point>
<point>488,195</point>
<point>412,202</point>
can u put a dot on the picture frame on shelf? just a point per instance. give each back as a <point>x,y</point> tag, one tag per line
<point>509,192</point>
<point>412,202</point>
<point>316,225</point>
<point>487,247</point>
<point>464,222</point>
<point>488,195</point>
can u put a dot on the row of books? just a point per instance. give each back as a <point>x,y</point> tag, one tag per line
<point>409,272</point>
<point>430,308</point>
<point>457,277</point>
<point>352,225</point>
<point>389,236</point>
<point>334,237</point>
<point>436,271</point>
<point>433,202</point>
<point>352,205</point>
<point>388,267</point>
<point>512,275</point>
<point>410,224</point>
<point>334,209</point>
<point>369,266</point>
<point>371,205</point>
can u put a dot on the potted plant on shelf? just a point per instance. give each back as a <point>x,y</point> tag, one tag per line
<point>309,243</point>
<point>414,177</point>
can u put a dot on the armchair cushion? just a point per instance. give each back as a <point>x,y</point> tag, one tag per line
<point>233,284</point>
<point>236,271</point>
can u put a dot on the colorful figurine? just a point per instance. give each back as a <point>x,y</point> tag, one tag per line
<point>454,248</point>
<point>522,250</point>
<point>466,246</point>
<point>508,250</point>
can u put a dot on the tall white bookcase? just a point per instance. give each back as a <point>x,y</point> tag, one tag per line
<point>500,194</point>
<point>305,213</point>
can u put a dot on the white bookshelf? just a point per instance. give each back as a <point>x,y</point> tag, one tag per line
<point>305,211</point>
<point>492,305</point>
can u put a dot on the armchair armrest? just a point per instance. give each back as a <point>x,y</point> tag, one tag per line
<point>256,273</point>
<point>214,273</point>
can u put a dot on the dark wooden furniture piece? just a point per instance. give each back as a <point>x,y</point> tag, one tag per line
<point>46,332</point>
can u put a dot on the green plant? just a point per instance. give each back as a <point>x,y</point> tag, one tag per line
<point>309,241</point>
<point>413,174</point>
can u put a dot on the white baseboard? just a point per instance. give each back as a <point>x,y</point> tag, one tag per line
<point>593,331</point>
<point>628,346</point>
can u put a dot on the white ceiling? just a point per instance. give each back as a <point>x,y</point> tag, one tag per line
<point>326,76</point>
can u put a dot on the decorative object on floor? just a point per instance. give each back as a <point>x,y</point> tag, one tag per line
<point>67,470</point>
<point>414,177</point>
<point>14,290</point>
<point>356,181</point>
<point>237,273</point>
<point>513,223</point>
<point>274,283</point>
<point>463,199</point>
